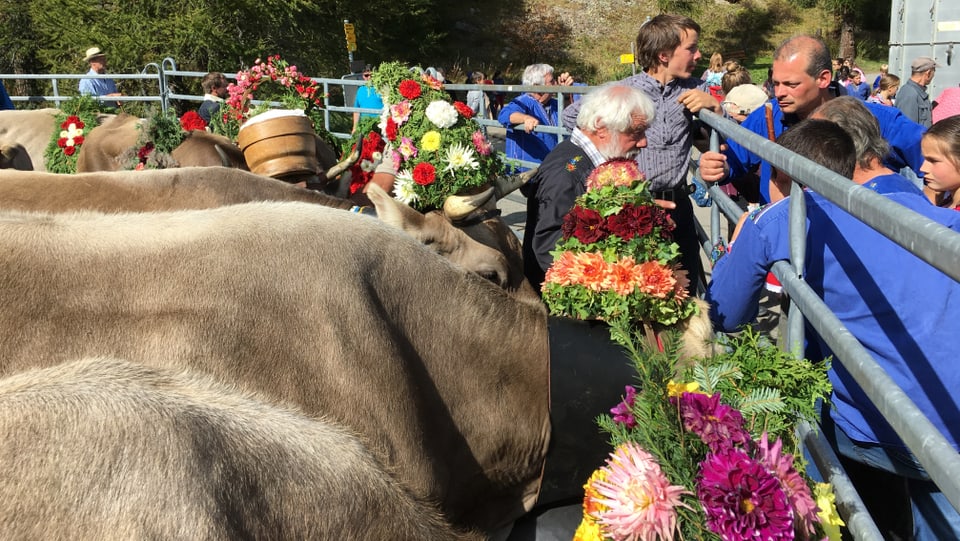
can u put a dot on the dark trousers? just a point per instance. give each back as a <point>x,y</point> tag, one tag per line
<point>685,235</point>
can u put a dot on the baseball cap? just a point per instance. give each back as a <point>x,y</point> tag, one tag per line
<point>744,99</point>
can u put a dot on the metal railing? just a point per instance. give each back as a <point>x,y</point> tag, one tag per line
<point>159,76</point>
<point>927,239</point>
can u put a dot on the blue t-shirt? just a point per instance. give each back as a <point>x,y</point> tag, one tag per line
<point>893,183</point>
<point>368,98</point>
<point>533,146</point>
<point>897,305</point>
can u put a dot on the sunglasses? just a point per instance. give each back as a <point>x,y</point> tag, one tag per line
<point>366,75</point>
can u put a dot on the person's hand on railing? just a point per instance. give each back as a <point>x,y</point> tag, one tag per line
<point>713,166</point>
<point>695,100</point>
<point>529,123</point>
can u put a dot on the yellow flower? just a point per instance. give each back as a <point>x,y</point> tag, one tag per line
<point>829,518</point>
<point>675,389</point>
<point>591,498</point>
<point>430,141</point>
<point>588,530</point>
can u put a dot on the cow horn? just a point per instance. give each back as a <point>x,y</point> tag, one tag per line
<point>457,207</point>
<point>508,184</point>
<point>343,165</point>
<point>224,159</point>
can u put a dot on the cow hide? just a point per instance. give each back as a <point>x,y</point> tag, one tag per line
<point>442,375</point>
<point>107,449</point>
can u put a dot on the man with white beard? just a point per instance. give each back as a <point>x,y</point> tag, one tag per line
<point>612,123</point>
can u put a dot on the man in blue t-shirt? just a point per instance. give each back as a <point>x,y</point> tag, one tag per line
<point>529,111</point>
<point>367,98</point>
<point>98,87</point>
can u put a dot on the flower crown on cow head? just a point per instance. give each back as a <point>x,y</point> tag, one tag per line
<point>432,142</point>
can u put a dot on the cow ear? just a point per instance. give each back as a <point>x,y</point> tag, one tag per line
<point>393,212</point>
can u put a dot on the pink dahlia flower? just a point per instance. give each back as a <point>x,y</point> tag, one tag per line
<point>640,502</point>
<point>797,491</point>
<point>717,424</point>
<point>621,412</point>
<point>742,499</point>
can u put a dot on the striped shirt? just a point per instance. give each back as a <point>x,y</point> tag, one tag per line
<point>666,158</point>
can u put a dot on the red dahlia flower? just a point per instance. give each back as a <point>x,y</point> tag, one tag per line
<point>424,174</point>
<point>586,225</point>
<point>409,89</point>
<point>464,109</point>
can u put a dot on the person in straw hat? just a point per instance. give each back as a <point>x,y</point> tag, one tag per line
<point>98,66</point>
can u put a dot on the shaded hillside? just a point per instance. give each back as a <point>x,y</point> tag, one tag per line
<point>586,37</point>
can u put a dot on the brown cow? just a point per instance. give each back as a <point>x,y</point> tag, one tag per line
<point>110,144</point>
<point>106,449</point>
<point>479,246</point>
<point>443,375</point>
<point>24,136</point>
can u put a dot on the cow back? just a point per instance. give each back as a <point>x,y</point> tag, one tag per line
<point>107,449</point>
<point>443,375</point>
<point>199,149</point>
<point>106,144</point>
<point>148,190</point>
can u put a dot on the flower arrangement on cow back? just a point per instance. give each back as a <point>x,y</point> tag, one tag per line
<point>72,123</point>
<point>434,145</point>
<point>712,455</point>
<point>273,80</point>
<point>616,259</point>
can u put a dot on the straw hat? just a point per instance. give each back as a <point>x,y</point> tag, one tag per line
<point>93,52</point>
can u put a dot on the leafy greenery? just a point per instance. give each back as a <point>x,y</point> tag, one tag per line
<point>772,388</point>
<point>50,36</point>
<point>164,131</point>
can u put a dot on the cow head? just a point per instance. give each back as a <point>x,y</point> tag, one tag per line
<point>205,149</point>
<point>14,156</point>
<point>469,232</point>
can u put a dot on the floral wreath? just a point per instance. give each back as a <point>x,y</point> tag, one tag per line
<point>616,260</point>
<point>159,136</point>
<point>432,142</point>
<point>72,124</point>
<point>271,80</point>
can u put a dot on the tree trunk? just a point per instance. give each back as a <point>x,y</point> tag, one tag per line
<point>848,48</point>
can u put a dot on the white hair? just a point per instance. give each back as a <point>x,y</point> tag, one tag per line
<point>612,106</point>
<point>536,74</point>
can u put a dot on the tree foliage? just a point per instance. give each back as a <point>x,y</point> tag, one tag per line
<point>50,36</point>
